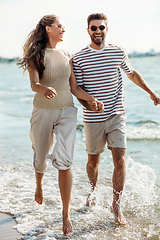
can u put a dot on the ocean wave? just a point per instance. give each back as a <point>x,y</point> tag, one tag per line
<point>148,122</point>
<point>15,89</point>
<point>26,99</point>
<point>145,130</point>
<point>80,127</point>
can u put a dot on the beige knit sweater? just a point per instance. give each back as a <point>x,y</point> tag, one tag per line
<point>56,74</point>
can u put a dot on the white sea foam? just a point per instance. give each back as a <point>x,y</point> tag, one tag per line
<point>15,89</point>
<point>144,131</point>
<point>26,99</point>
<point>44,222</point>
<point>140,184</point>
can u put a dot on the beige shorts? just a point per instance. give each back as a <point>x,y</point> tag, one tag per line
<point>112,131</point>
<point>58,125</point>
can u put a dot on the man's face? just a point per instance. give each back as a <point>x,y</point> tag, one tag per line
<point>97,31</point>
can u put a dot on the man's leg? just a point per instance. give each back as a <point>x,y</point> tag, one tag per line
<point>119,176</point>
<point>92,171</point>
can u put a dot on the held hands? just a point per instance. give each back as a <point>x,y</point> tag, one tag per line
<point>96,106</point>
<point>155,98</point>
<point>49,92</point>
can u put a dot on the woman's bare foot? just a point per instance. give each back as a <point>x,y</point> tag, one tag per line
<point>67,225</point>
<point>119,218</point>
<point>39,195</point>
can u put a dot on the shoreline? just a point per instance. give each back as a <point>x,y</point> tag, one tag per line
<point>7,231</point>
<point>130,55</point>
<point>7,224</point>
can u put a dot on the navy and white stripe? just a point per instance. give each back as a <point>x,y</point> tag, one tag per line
<point>98,72</point>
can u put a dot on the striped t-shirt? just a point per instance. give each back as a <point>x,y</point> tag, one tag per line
<point>98,72</point>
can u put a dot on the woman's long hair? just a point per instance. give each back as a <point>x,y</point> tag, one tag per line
<point>34,47</point>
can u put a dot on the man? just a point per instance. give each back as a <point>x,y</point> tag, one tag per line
<point>97,70</point>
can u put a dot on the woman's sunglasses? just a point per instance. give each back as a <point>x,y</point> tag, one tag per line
<point>60,25</point>
<point>94,28</point>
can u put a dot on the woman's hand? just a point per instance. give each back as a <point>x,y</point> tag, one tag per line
<point>49,92</point>
<point>96,106</point>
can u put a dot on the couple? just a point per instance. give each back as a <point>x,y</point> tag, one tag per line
<point>54,76</point>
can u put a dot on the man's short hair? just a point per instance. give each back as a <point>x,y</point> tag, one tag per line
<point>97,16</point>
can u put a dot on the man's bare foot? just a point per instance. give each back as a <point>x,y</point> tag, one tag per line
<point>119,218</point>
<point>90,202</point>
<point>39,195</point>
<point>67,226</point>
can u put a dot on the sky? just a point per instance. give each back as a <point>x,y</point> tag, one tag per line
<point>132,24</point>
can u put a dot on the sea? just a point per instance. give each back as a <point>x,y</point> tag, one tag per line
<point>141,196</point>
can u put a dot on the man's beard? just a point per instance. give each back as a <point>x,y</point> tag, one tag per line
<point>97,42</point>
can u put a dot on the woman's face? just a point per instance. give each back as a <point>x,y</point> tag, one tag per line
<point>56,31</point>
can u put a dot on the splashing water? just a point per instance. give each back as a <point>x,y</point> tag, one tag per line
<point>44,222</point>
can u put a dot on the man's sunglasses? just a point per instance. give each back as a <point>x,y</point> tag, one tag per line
<point>94,28</point>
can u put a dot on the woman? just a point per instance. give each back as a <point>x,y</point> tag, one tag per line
<point>52,78</point>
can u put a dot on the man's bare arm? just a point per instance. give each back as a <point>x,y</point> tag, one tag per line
<point>139,81</point>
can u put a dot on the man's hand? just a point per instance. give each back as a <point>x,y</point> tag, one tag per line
<point>96,106</point>
<point>139,81</point>
<point>155,98</point>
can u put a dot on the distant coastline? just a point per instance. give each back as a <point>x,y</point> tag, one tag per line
<point>8,60</point>
<point>152,53</point>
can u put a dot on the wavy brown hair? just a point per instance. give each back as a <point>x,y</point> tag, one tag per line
<point>35,45</point>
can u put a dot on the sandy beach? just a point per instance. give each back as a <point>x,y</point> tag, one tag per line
<point>7,231</point>
<point>7,223</point>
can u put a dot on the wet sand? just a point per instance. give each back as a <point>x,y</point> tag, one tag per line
<point>7,232</point>
<point>7,222</point>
